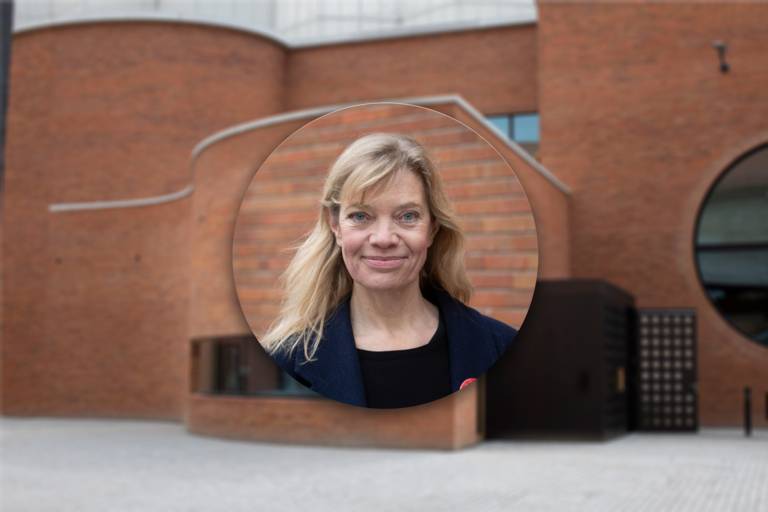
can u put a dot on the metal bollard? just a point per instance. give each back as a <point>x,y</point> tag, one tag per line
<point>747,411</point>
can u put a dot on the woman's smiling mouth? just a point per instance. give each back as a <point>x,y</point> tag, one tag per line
<point>384,262</point>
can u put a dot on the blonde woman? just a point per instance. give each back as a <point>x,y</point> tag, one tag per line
<point>374,311</point>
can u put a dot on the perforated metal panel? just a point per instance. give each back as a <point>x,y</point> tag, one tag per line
<point>667,370</point>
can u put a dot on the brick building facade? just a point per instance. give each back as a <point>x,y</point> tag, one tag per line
<point>117,242</point>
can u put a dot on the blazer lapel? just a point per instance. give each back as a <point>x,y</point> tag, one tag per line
<point>470,345</point>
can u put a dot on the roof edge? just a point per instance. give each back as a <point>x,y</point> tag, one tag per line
<point>382,35</point>
<point>129,17</point>
<point>414,31</point>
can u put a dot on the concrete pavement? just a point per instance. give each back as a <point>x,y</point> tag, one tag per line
<point>83,465</point>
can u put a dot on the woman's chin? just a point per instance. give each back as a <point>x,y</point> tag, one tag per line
<point>385,285</point>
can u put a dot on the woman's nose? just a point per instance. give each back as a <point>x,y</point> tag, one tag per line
<point>383,234</point>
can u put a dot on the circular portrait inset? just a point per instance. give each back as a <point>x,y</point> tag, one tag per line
<point>385,255</point>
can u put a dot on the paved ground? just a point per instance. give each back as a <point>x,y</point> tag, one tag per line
<point>102,465</point>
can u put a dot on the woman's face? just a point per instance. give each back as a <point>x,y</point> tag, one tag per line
<point>385,237</point>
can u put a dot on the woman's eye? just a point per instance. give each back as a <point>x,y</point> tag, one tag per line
<point>410,216</point>
<point>358,217</point>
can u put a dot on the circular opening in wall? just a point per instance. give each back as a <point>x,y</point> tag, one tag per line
<point>731,245</point>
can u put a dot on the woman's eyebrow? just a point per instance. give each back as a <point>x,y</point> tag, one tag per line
<point>363,206</point>
<point>410,204</point>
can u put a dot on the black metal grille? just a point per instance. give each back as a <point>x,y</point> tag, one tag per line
<point>667,370</point>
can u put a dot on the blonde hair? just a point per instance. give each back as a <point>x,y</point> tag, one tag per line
<point>316,280</point>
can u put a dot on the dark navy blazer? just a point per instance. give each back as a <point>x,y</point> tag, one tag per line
<point>475,342</point>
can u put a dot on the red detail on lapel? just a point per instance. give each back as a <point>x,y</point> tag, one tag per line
<point>467,382</point>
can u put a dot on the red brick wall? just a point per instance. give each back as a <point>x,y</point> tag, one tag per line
<point>550,203</point>
<point>222,173</point>
<point>281,205</point>
<point>494,69</point>
<point>105,111</point>
<point>96,303</point>
<point>446,424</point>
<point>638,119</point>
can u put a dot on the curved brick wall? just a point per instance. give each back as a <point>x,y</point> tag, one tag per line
<point>640,129</point>
<point>446,424</point>
<point>97,302</point>
<point>223,171</point>
<point>109,111</point>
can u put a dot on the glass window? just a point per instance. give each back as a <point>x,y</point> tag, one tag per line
<point>238,365</point>
<point>525,127</point>
<point>732,245</point>
<point>522,128</point>
<point>501,122</point>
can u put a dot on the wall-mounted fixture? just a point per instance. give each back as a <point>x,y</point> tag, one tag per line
<point>721,48</point>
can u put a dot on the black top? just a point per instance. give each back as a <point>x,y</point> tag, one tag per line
<point>475,342</point>
<point>401,378</point>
